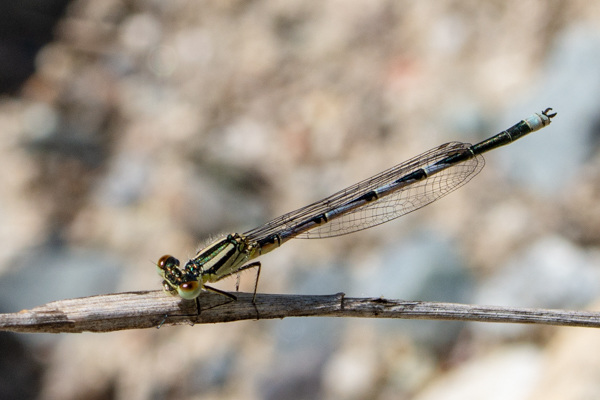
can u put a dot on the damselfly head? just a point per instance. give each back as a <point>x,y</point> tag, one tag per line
<point>177,281</point>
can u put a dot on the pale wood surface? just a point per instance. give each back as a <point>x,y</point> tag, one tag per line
<point>135,310</point>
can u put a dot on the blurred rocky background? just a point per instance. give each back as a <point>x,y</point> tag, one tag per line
<point>131,129</point>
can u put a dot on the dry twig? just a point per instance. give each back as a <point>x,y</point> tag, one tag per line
<point>134,310</point>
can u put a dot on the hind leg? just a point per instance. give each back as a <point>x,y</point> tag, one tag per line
<point>256,265</point>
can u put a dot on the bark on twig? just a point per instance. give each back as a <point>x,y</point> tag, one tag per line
<point>134,310</point>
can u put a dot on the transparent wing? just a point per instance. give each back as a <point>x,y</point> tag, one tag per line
<point>386,208</point>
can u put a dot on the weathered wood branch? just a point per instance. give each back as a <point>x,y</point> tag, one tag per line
<point>134,310</point>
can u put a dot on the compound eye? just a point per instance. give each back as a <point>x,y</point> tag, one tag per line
<point>167,262</point>
<point>189,290</point>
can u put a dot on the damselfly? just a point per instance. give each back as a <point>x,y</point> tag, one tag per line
<point>388,195</point>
